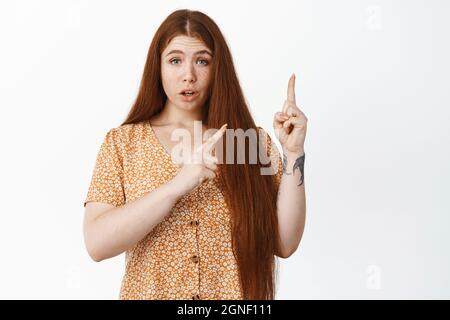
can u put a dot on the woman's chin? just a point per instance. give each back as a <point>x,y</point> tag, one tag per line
<point>188,106</point>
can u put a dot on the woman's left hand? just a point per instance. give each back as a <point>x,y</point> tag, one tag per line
<point>290,124</point>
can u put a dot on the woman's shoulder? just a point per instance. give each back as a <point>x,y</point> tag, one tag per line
<point>127,133</point>
<point>263,134</point>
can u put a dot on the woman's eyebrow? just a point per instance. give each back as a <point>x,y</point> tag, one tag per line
<point>198,52</point>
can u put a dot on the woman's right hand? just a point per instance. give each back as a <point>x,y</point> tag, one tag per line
<point>201,165</point>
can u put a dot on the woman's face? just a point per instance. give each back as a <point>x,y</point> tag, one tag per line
<point>186,65</point>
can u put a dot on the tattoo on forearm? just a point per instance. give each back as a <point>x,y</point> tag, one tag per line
<point>285,164</point>
<point>298,164</point>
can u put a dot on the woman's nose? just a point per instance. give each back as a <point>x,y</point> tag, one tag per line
<point>189,73</point>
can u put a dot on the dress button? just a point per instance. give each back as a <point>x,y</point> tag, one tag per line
<point>194,223</point>
<point>195,259</point>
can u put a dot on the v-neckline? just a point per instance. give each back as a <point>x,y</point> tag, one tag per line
<point>162,148</point>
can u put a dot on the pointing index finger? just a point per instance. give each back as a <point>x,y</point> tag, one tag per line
<point>291,89</point>
<point>214,138</point>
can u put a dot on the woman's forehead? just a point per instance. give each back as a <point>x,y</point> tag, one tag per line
<point>188,45</point>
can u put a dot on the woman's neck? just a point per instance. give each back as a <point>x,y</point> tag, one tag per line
<point>176,117</point>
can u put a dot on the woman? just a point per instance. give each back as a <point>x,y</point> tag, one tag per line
<point>195,229</point>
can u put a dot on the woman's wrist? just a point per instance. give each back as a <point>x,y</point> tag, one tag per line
<point>293,155</point>
<point>175,189</point>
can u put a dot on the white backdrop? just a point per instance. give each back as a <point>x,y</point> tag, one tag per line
<point>372,77</point>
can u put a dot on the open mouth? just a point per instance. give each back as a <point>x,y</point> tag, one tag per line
<point>188,93</point>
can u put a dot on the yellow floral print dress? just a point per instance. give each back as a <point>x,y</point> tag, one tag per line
<point>188,255</point>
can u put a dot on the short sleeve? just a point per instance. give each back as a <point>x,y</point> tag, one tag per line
<point>274,155</point>
<point>107,179</point>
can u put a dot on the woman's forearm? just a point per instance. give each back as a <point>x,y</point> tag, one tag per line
<point>291,203</point>
<point>118,229</point>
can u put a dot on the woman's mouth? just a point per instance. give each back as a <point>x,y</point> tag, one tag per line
<point>188,95</point>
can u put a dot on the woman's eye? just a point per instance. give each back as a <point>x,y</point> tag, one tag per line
<point>202,61</point>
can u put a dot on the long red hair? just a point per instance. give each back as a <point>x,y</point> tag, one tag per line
<point>250,196</point>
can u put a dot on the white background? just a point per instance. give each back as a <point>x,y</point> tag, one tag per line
<point>372,78</point>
